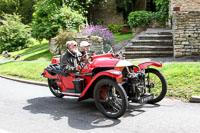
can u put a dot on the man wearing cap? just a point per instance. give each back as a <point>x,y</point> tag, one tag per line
<point>85,49</point>
<point>69,60</point>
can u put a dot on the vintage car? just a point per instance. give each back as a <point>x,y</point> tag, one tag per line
<point>110,80</point>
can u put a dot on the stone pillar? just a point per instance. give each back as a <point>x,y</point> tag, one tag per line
<point>186,27</point>
<point>95,41</point>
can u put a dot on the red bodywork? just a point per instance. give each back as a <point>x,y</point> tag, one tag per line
<point>99,61</point>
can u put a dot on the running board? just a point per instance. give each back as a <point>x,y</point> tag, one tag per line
<point>71,93</point>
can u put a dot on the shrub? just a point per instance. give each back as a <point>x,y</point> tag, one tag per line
<point>14,35</point>
<point>142,18</point>
<point>48,22</point>
<point>139,18</point>
<point>115,28</point>
<point>62,38</point>
<point>102,31</point>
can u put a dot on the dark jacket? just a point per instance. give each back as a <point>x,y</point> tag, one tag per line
<point>68,62</point>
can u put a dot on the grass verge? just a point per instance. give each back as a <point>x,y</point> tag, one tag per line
<point>124,36</point>
<point>29,70</point>
<point>183,79</point>
<point>40,51</point>
<point>37,51</point>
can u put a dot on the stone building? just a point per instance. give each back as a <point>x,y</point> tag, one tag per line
<point>185,27</point>
<point>107,13</point>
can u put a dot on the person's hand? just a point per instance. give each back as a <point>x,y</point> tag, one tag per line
<point>78,67</point>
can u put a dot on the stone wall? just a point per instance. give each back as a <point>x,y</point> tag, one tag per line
<point>107,13</point>
<point>95,41</point>
<point>184,5</point>
<point>186,27</point>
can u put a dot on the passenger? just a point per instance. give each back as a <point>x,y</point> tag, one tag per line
<point>69,60</point>
<point>85,49</point>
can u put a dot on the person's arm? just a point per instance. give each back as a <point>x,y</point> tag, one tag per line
<point>66,65</point>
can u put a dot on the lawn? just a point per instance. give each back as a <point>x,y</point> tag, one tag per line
<point>124,36</point>
<point>40,51</point>
<point>29,70</point>
<point>183,79</point>
<point>37,51</point>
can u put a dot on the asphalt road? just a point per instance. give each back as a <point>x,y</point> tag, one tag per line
<point>28,108</point>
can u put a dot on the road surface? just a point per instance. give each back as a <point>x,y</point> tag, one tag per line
<point>28,108</point>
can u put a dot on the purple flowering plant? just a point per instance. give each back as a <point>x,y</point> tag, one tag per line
<point>102,31</point>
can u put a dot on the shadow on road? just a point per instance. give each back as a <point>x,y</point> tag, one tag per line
<point>81,115</point>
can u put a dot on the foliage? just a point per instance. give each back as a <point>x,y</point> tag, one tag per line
<point>142,18</point>
<point>115,28</point>
<point>102,31</point>
<point>139,18</point>
<point>22,7</point>
<point>162,7</point>
<point>14,35</point>
<point>48,20</point>
<point>62,38</point>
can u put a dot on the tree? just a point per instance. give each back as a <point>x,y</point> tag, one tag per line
<point>14,35</point>
<point>22,7</point>
<point>51,16</point>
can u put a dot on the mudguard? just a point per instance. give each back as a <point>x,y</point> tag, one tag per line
<point>144,65</point>
<point>46,74</point>
<point>109,73</point>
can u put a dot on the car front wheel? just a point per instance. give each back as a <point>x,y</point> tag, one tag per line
<point>110,98</point>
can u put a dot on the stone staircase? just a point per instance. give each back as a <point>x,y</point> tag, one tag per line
<point>151,43</point>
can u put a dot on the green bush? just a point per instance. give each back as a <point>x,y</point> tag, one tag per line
<point>115,28</point>
<point>139,18</point>
<point>14,35</point>
<point>142,18</point>
<point>49,20</point>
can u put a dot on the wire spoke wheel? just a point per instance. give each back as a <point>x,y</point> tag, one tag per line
<point>110,98</point>
<point>155,84</point>
<point>54,88</point>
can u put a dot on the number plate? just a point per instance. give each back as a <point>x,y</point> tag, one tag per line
<point>146,98</point>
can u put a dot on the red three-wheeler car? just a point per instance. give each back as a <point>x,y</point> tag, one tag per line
<point>112,82</point>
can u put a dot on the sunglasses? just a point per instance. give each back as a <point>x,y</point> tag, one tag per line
<point>74,45</point>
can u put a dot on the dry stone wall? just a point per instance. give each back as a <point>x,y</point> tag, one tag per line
<point>95,41</point>
<point>186,27</point>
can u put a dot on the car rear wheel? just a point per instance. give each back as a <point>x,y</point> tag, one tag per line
<point>54,88</point>
<point>110,98</point>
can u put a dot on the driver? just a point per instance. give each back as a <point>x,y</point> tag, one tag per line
<point>69,60</point>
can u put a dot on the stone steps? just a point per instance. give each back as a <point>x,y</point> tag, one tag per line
<point>148,48</point>
<point>147,54</point>
<point>152,42</point>
<point>155,37</point>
